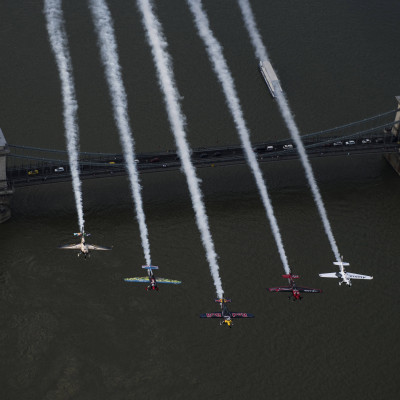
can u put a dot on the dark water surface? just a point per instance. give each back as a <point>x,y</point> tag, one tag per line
<point>72,329</point>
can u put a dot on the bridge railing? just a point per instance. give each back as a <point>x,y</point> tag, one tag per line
<point>371,134</point>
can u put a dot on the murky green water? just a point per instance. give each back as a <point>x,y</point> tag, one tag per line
<point>72,329</point>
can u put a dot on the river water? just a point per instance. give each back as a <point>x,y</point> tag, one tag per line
<point>73,329</point>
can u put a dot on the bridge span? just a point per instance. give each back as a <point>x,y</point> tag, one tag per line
<point>26,165</point>
<point>35,170</point>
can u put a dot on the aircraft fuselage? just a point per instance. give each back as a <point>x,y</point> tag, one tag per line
<point>152,280</point>
<point>344,276</point>
<point>295,292</point>
<point>84,248</point>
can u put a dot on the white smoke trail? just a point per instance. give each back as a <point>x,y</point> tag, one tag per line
<point>220,66</point>
<point>168,86</point>
<point>109,55</point>
<point>288,117</point>
<point>290,122</point>
<point>251,26</point>
<point>59,44</point>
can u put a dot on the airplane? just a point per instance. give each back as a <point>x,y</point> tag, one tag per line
<point>225,314</point>
<point>83,246</point>
<point>296,290</point>
<point>343,274</point>
<point>152,279</point>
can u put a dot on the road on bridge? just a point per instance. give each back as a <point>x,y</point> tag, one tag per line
<point>34,171</point>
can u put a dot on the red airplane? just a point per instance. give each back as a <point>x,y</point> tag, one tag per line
<point>296,290</point>
<point>225,314</point>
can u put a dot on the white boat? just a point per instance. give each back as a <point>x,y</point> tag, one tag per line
<point>270,77</point>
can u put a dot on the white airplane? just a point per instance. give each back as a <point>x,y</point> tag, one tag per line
<point>83,246</point>
<point>343,274</point>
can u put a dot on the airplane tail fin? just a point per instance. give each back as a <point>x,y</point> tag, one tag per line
<point>345,264</point>
<point>149,267</point>
<point>288,276</point>
<point>79,234</point>
<point>223,300</point>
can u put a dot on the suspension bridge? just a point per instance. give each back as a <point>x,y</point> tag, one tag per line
<point>26,165</point>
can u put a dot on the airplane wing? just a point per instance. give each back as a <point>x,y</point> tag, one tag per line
<point>211,315</point>
<point>94,247</point>
<point>280,289</point>
<point>358,276</point>
<point>144,279</point>
<point>308,290</point>
<point>70,246</point>
<point>330,275</point>
<point>242,315</point>
<point>163,280</point>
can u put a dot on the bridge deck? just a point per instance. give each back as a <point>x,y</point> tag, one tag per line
<point>35,170</point>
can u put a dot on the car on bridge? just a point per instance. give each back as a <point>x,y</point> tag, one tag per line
<point>350,143</point>
<point>287,146</point>
<point>270,148</point>
<point>33,172</point>
<point>59,169</point>
<point>365,141</point>
<point>338,143</point>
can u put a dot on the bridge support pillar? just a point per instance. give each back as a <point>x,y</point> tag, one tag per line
<point>6,191</point>
<point>394,158</point>
<point>396,127</point>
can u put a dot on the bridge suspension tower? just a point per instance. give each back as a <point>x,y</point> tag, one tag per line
<point>6,191</point>
<point>394,158</point>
